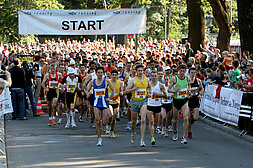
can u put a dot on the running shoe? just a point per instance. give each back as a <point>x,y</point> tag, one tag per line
<point>128,127</point>
<point>132,138</point>
<point>59,122</point>
<point>80,118</point>
<point>170,128</point>
<point>138,122</point>
<point>166,133</point>
<point>142,143</point>
<point>54,122</point>
<point>163,131</point>
<point>67,125</point>
<point>107,129</point>
<point>175,136</point>
<point>49,123</point>
<point>112,134</point>
<point>93,125</point>
<point>99,142</point>
<point>183,140</point>
<point>190,135</point>
<point>158,130</point>
<point>153,141</point>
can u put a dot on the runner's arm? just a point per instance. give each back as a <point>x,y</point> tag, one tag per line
<point>130,87</point>
<point>201,91</point>
<point>44,81</point>
<point>111,87</point>
<point>172,83</point>
<point>89,87</point>
<point>86,80</point>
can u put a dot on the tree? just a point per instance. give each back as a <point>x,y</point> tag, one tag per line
<point>221,14</point>
<point>245,17</point>
<point>168,19</point>
<point>196,35</point>
<point>9,16</point>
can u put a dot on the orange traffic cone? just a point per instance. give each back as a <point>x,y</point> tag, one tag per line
<point>181,115</point>
<point>39,108</point>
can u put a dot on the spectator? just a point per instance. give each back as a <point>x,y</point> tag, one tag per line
<point>235,74</point>
<point>189,52</point>
<point>29,76</point>
<point>17,91</point>
<point>249,83</point>
<point>221,78</point>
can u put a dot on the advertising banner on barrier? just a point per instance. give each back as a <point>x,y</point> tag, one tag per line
<point>82,22</point>
<point>225,109</point>
<point>5,102</point>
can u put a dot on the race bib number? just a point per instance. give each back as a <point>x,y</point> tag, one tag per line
<point>71,88</point>
<point>53,84</point>
<point>115,98</point>
<point>182,93</point>
<point>99,93</point>
<point>155,98</point>
<point>141,93</point>
<point>194,91</point>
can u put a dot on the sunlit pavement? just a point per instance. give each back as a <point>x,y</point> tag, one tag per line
<point>33,144</point>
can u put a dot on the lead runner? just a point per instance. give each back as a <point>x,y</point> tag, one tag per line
<point>101,99</point>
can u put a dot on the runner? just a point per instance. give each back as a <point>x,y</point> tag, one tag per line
<point>167,108</point>
<point>82,108</point>
<point>71,82</point>
<point>139,87</point>
<point>122,77</point>
<point>181,88</point>
<point>114,102</point>
<point>62,92</point>
<point>197,91</point>
<point>89,78</point>
<point>53,79</point>
<point>154,105</point>
<point>101,99</point>
<point>130,76</point>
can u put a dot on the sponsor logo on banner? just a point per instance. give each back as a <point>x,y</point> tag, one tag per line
<point>225,109</point>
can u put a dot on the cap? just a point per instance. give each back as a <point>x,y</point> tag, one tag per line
<point>72,62</point>
<point>71,70</point>
<point>120,65</point>
<point>167,68</point>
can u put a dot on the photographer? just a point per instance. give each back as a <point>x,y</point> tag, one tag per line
<point>29,76</point>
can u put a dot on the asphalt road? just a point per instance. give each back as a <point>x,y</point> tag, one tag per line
<point>33,144</point>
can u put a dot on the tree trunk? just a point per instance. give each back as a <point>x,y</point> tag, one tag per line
<point>196,35</point>
<point>168,19</point>
<point>221,15</point>
<point>122,38</point>
<point>245,18</point>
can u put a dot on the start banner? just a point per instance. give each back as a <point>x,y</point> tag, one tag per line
<point>226,108</point>
<point>82,22</point>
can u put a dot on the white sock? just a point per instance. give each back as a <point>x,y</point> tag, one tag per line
<point>53,117</point>
<point>50,118</point>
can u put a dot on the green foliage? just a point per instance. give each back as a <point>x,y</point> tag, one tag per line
<point>9,17</point>
<point>155,16</point>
